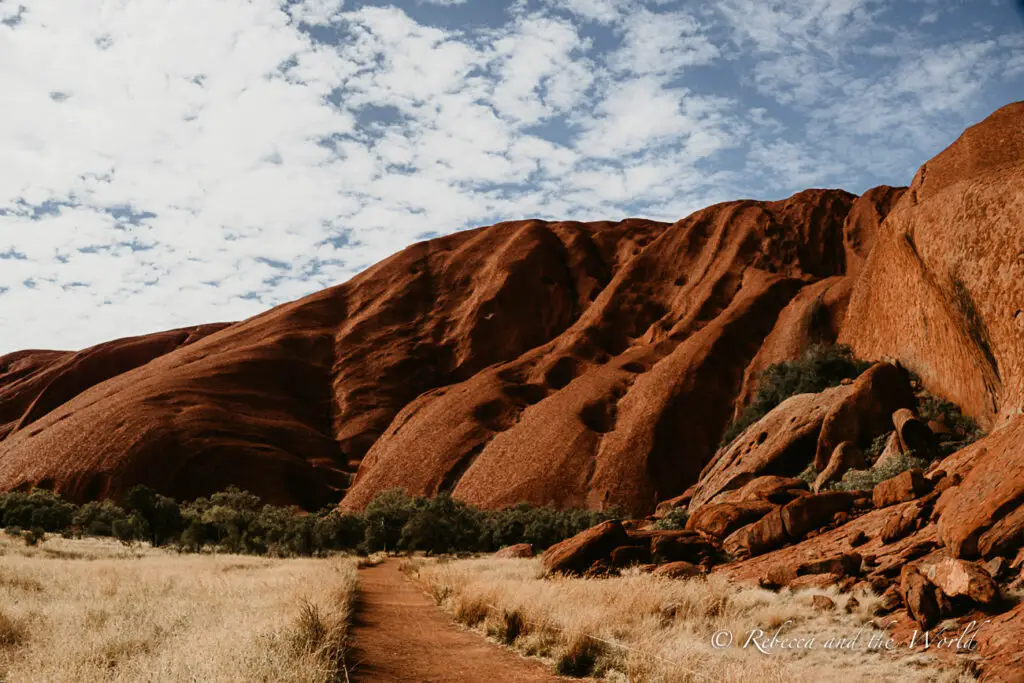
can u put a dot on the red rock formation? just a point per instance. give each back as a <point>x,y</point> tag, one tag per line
<point>575,364</point>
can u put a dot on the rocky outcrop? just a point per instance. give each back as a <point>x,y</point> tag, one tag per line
<point>575,555</point>
<point>517,551</point>
<point>901,488</point>
<point>956,578</point>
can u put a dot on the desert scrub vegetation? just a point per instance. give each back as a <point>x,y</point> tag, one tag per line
<point>644,628</point>
<point>818,368</point>
<point>95,610</point>
<point>236,521</point>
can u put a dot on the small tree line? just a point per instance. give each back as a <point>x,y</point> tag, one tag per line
<point>237,521</point>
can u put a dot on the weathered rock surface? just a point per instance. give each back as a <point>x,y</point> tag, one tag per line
<point>918,595</point>
<point>678,570</point>
<point>865,411</point>
<point>520,550</point>
<point>900,489</point>
<point>721,519</point>
<point>956,578</point>
<point>845,457</point>
<point>575,555</point>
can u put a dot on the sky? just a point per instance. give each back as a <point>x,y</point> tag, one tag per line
<point>165,163</point>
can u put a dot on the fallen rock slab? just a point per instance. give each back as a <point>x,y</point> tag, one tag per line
<point>721,519</point>
<point>577,554</point>
<point>520,550</point>
<point>918,595</point>
<point>955,577</point>
<point>678,570</point>
<point>901,488</point>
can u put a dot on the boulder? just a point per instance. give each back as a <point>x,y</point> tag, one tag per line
<point>823,603</point>
<point>678,570</point>
<point>674,547</point>
<point>628,555</point>
<point>814,581</point>
<point>845,457</point>
<point>575,555</point>
<point>893,449</point>
<point>721,519</point>
<point>913,434</point>
<point>780,442</point>
<point>865,411</point>
<point>955,578</point>
<point>763,535</point>
<point>919,596</point>
<point>847,564</point>
<point>788,523</point>
<point>997,567</point>
<point>771,488</point>
<point>1000,643</point>
<point>902,522</point>
<point>890,600</point>
<point>810,512</point>
<point>777,576</point>
<point>666,506</point>
<point>902,488</point>
<point>520,550</point>
<point>983,515</point>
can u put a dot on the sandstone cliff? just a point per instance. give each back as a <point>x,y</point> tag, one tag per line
<point>570,363</point>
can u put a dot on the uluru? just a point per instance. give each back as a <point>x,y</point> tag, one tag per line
<point>575,364</point>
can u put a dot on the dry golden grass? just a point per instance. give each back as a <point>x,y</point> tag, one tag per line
<point>93,610</point>
<point>644,628</point>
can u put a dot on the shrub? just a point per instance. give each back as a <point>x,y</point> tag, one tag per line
<point>96,518</point>
<point>385,517</point>
<point>965,431</point>
<point>817,369</point>
<point>865,480</point>
<point>809,475</point>
<point>37,508</point>
<point>579,657</point>
<point>157,517</point>
<point>675,519</point>
<point>333,530</point>
<point>237,521</point>
<point>34,535</point>
<point>441,525</point>
<point>872,452</point>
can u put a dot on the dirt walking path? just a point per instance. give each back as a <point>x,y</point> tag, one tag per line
<point>401,635</point>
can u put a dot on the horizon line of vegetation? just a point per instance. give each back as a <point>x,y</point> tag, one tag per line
<point>237,521</point>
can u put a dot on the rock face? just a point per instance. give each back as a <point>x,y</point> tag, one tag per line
<point>581,364</point>
<point>574,364</point>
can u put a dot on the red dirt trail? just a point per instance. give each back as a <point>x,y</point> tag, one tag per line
<point>400,635</point>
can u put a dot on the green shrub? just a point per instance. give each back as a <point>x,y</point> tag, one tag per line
<point>872,452</point>
<point>34,535</point>
<point>96,518</point>
<point>158,517</point>
<point>441,525</point>
<point>385,517</point>
<point>333,530</point>
<point>964,430</point>
<point>237,521</point>
<point>809,475</point>
<point>675,519</point>
<point>817,369</point>
<point>38,508</point>
<point>865,480</point>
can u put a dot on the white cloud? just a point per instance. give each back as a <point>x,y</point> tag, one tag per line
<point>602,11</point>
<point>169,163</point>
<point>662,43</point>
